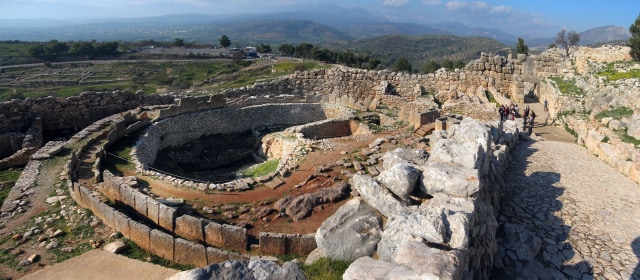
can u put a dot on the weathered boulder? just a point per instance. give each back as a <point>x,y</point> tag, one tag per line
<point>369,268</point>
<point>412,157</point>
<point>300,207</point>
<point>466,154</point>
<point>425,223</point>
<point>377,196</point>
<point>353,231</point>
<point>115,247</point>
<point>445,264</point>
<point>254,269</point>
<point>450,179</point>
<point>400,179</point>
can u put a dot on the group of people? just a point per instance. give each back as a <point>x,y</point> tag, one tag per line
<point>511,112</point>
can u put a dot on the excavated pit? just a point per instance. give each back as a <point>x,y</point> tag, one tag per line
<point>215,158</point>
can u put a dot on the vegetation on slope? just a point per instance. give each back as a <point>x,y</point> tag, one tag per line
<point>419,50</point>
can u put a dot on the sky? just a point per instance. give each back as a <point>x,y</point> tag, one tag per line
<point>530,18</point>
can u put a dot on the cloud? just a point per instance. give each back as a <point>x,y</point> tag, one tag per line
<point>502,9</point>
<point>395,3</point>
<point>459,5</point>
<point>432,2</point>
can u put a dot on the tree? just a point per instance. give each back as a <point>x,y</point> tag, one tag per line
<point>431,67</point>
<point>567,40</point>
<point>262,48</point>
<point>634,40</point>
<point>402,65</point>
<point>448,64</point>
<point>287,49</point>
<point>224,41</point>
<point>521,48</point>
<point>552,45</point>
<point>178,42</point>
<point>304,50</point>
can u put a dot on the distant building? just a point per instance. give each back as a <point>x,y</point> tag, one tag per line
<point>251,52</point>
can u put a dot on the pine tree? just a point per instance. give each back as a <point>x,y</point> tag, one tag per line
<point>224,41</point>
<point>634,41</point>
<point>521,47</point>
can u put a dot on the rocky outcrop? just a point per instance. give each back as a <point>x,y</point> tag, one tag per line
<point>301,206</point>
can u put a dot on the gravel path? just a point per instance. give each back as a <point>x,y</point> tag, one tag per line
<point>585,215</point>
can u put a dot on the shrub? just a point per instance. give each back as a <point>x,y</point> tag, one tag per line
<point>326,269</point>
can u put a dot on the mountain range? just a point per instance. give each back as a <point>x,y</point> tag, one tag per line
<point>320,25</point>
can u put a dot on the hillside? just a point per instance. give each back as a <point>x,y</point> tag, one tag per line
<point>419,50</point>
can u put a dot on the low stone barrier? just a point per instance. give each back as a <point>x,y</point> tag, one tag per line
<point>280,244</point>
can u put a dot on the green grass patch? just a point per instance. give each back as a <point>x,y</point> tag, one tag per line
<point>262,169</point>
<point>11,174</point>
<point>133,251</point>
<point>612,74</point>
<point>119,157</point>
<point>615,113</point>
<point>568,87</point>
<point>563,114</point>
<point>624,137</point>
<point>491,98</point>
<point>326,269</point>
<point>570,130</point>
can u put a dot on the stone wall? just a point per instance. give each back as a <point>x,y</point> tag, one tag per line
<point>64,115</point>
<point>30,142</point>
<point>280,244</point>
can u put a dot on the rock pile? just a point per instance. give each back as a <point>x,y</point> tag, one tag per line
<point>439,209</point>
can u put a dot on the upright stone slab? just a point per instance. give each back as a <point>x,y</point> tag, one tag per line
<point>122,223</point>
<point>189,227</point>
<point>272,243</point>
<point>162,244</point>
<point>107,214</point>
<point>166,217</point>
<point>213,234</point>
<point>139,233</point>
<point>187,252</point>
<point>140,203</point>
<point>235,238</point>
<point>127,195</point>
<point>215,255</point>
<point>152,210</point>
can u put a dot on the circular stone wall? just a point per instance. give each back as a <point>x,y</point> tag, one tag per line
<point>187,128</point>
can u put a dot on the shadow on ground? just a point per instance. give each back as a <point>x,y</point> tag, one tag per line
<point>532,239</point>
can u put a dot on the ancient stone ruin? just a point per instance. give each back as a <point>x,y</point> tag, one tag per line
<point>422,206</point>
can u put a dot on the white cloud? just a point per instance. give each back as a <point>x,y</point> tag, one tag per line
<point>432,2</point>
<point>502,9</point>
<point>458,5</point>
<point>395,3</point>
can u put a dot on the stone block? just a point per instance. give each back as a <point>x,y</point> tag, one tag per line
<point>121,222</point>
<point>152,210</point>
<point>162,244</point>
<point>272,243</point>
<point>106,214</point>
<point>441,124</point>
<point>140,201</point>
<point>234,238</point>
<point>139,233</point>
<point>300,244</point>
<point>187,252</point>
<point>190,228</point>
<point>215,255</point>
<point>235,256</point>
<point>127,195</point>
<point>213,234</point>
<point>166,217</point>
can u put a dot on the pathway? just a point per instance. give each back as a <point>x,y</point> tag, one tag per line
<point>585,215</point>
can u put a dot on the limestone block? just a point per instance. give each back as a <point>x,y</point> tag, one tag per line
<point>139,233</point>
<point>272,243</point>
<point>187,252</point>
<point>377,196</point>
<point>213,234</point>
<point>369,268</point>
<point>152,210</point>
<point>426,260</point>
<point>162,244</point>
<point>140,201</point>
<point>353,231</point>
<point>121,222</point>
<point>235,238</point>
<point>400,179</point>
<point>304,244</point>
<point>127,195</point>
<point>450,179</point>
<point>215,255</point>
<point>106,214</point>
<point>166,217</point>
<point>238,256</point>
<point>189,227</point>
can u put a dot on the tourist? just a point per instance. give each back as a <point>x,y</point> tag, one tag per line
<point>526,115</point>
<point>533,117</point>
<point>546,105</point>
